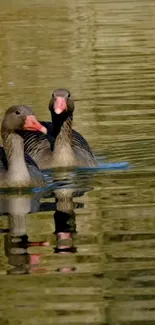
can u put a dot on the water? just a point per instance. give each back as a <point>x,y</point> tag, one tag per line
<point>82,252</point>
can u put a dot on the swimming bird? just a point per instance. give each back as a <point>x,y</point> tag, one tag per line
<point>16,168</point>
<point>61,146</point>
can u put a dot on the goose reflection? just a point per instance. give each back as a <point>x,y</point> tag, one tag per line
<point>16,239</point>
<point>65,225</point>
<point>64,216</point>
<point>16,242</point>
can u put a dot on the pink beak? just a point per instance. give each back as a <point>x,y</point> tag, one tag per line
<point>60,105</point>
<point>32,124</point>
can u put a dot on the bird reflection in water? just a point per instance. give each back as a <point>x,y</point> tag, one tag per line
<point>16,240</point>
<point>64,216</point>
<point>65,225</point>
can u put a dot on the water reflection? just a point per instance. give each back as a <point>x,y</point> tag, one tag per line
<point>16,242</point>
<point>65,225</point>
<point>98,261</point>
<point>17,245</point>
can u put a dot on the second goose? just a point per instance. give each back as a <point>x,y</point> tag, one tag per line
<point>62,146</point>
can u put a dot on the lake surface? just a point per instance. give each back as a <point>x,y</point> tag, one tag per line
<point>83,252</point>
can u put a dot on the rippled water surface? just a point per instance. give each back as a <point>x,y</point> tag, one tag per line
<point>82,251</point>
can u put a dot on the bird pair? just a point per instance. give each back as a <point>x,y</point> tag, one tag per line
<point>26,151</point>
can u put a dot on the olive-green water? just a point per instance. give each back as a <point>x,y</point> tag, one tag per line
<point>89,256</point>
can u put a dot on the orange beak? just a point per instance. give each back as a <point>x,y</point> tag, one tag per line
<point>32,124</point>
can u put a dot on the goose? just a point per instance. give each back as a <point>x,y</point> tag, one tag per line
<point>16,168</point>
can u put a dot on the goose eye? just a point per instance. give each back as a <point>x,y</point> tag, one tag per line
<point>17,112</point>
<point>69,95</point>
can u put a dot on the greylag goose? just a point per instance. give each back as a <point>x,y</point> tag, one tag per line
<point>16,168</point>
<point>62,146</point>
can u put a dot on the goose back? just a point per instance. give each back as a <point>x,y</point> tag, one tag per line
<point>40,146</point>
